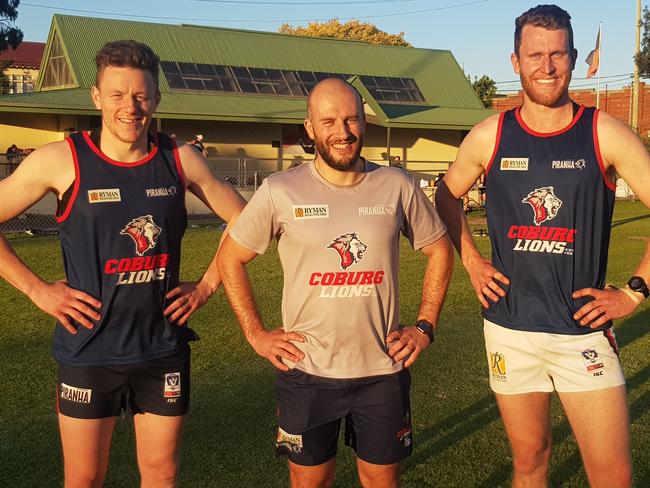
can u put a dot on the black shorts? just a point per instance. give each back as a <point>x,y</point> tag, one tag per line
<point>376,411</point>
<point>160,386</point>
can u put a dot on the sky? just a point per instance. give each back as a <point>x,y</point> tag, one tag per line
<point>479,33</point>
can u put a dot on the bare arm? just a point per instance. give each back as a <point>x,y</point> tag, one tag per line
<point>220,197</point>
<point>472,159</point>
<point>624,153</point>
<point>49,169</point>
<point>272,345</point>
<point>409,342</point>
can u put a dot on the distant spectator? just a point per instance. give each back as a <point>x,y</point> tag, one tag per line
<point>173,136</point>
<point>14,156</point>
<point>397,162</point>
<point>197,142</point>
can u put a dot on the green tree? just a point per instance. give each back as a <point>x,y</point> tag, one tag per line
<point>10,35</point>
<point>352,29</point>
<point>643,58</point>
<point>485,87</point>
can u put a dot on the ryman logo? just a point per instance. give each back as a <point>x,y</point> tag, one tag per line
<point>317,211</point>
<point>514,164</point>
<point>568,164</point>
<point>498,366</point>
<point>76,395</point>
<point>161,192</point>
<point>102,195</point>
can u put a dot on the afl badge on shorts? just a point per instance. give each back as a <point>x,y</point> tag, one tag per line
<point>593,362</point>
<point>172,386</point>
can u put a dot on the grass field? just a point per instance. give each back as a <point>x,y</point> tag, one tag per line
<point>459,439</point>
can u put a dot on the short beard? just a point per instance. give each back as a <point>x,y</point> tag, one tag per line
<point>529,90</point>
<point>344,165</point>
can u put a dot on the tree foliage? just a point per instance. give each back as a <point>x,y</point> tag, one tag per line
<point>643,58</point>
<point>10,35</point>
<point>485,87</point>
<point>352,29</point>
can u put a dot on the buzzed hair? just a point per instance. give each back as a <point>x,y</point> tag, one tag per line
<point>127,54</point>
<point>344,82</point>
<point>550,17</point>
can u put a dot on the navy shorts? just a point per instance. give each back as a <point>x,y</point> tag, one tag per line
<point>376,411</point>
<point>160,386</point>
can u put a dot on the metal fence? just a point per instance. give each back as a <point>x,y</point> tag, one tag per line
<point>245,173</point>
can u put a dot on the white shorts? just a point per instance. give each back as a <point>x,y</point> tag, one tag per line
<point>525,362</point>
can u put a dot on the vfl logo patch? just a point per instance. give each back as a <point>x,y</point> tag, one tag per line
<point>498,366</point>
<point>75,394</point>
<point>514,164</point>
<point>545,204</point>
<point>144,232</point>
<point>172,385</point>
<point>593,362</point>
<point>288,442</point>
<point>104,195</point>
<point>318,211</point>
<point>404,435</point>
<point>350,249</point>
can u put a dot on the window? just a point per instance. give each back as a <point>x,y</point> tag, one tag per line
<point>20,83</point>
<point>57,71</point>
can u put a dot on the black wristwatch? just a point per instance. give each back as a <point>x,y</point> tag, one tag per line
<point>426,328</point>
<point>638,285</point>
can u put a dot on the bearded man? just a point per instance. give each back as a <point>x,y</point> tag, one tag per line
<point>550,167</point>
<point>341,354</point>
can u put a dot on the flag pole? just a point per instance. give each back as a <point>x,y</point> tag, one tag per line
<point>600,62</point>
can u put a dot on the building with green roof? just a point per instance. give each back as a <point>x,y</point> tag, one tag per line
<point>245,91</point>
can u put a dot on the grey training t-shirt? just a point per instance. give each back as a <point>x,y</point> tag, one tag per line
<point>339,249</point>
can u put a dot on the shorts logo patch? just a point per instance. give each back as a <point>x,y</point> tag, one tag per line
<point>593,362</point>
<point>75,394</point>
<point>290,442</point>
<point>172,385</point>
<point>404,435</point>
<point>102,195</point>
<point>514,164</point>
<point>318,211</point>
<point>498,366</point>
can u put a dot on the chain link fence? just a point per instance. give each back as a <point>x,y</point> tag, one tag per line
<point>245,173</point>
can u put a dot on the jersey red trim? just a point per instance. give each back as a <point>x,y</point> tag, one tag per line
<point>179,166</point>
<point>99,153</point>
<point>75,189</point>
<point>599,156</point>
<point>573,122</point>
<point>496,142</point>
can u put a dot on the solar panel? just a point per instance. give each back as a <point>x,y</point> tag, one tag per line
<point>268,81</point>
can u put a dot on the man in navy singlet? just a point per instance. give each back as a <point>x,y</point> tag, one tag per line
<point>548,312</point>
<point>121,339</point>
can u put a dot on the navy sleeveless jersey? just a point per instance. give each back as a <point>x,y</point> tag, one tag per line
<point>121,233</point>
<point>549,207</point>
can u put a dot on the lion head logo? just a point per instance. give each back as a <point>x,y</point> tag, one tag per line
<point>144,232</point>
<point>545,204</point>
<point>350,249</point>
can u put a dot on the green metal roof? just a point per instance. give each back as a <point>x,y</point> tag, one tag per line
<point>450,99</point>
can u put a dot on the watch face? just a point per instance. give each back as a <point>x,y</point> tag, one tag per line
<point>636,283</point>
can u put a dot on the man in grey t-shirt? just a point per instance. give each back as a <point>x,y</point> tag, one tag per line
<point>341,354</point>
